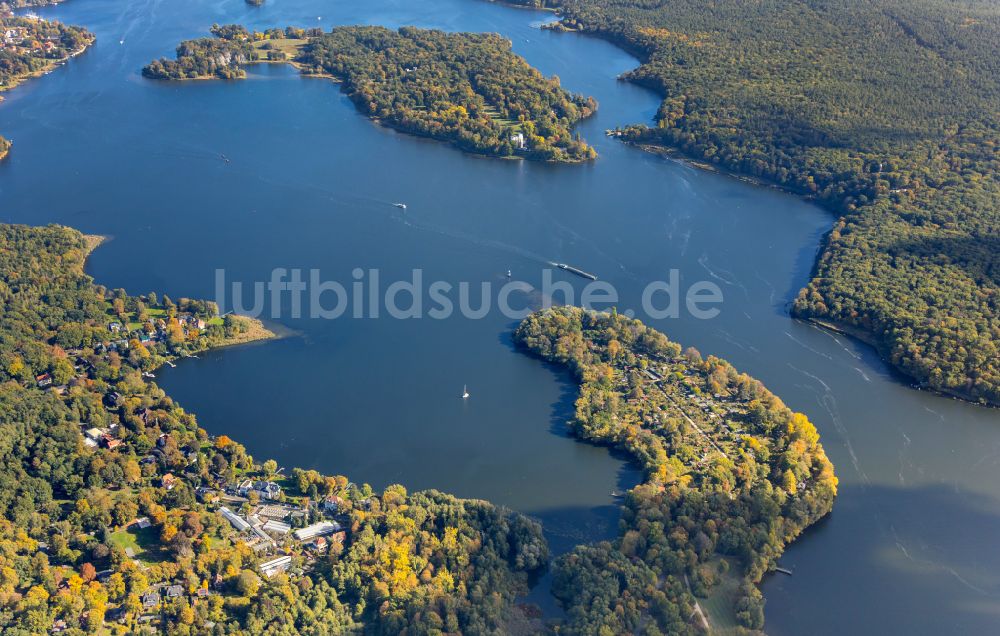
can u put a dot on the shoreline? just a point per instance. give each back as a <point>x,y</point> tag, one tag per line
<point>292,53</point>
<point>50,66</point>
<point>867,338</point>
<point>257,330</point>
<point>93,241</point>
<point>579,434</point>
<point>378,121</point>
<point>675,154</point>
<point>850,331</point>
<point>523,7</point>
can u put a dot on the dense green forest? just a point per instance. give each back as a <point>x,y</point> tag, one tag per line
<point>468,89</point>
<point>886,112</point>
<point>110,518</point>
<point>222,56</point>
<point>732,476</point>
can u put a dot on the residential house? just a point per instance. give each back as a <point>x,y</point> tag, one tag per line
<point>244,487</point>
<point>168,481</point>
<point>192,321</point>
<point>43,380</point>
<point>151,599</point>
<point>14,35</point>
<point>110,442</point>
<point>207,495</point>
<point>174,592</point>
<point>113,399</point>
<point>267,489</point>
<point>333,504</point>
<point>319,545</point>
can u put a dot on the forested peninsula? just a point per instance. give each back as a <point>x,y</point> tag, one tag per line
<point>732,476</point>
<point>884,112</point>
<point>30,47</point>
<point>468,89</point>
<point>119,514</point>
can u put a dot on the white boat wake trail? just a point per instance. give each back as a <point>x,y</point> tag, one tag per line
<point>723,275</point>
<point>829,403</point>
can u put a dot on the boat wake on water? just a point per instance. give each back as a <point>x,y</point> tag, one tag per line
<point>473,240</point>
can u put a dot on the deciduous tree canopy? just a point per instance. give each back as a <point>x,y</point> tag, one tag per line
<point>886,112</point>
<point>70,550</point>
<point>468,89</point>
<point>731,472</point>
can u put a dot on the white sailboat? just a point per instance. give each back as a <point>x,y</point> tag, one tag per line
<point>465,391</point>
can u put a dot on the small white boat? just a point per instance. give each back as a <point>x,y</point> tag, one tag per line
<point>465,392</point>
<point>401,206</point>
<point>508,273</point>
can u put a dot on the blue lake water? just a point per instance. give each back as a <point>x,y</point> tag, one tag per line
<point>911,544</point>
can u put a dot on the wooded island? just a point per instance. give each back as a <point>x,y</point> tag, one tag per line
<point>467,89</point>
